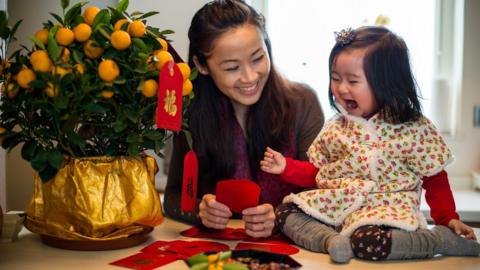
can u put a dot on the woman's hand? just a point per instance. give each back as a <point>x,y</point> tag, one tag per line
<point>461,228</point>
<point>212,213</point>
<point>259,220</point>
<point>273,162</point>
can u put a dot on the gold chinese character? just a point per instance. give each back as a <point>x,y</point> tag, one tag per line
<point>170,106</point>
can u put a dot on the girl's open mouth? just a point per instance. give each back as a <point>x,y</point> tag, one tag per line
<point>351,104</point>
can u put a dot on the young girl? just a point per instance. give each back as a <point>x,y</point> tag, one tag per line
<point>370,162</point>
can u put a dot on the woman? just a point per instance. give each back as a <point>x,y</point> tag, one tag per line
<point>241,106</point>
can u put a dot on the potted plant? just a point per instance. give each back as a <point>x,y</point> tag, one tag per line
<point>82,103</point>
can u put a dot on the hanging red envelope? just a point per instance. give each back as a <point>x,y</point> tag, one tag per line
<point>189,182</point>
<point>273,248</point>
<point>145,261</point>
<point>237,194</point>
<point>169,102</point>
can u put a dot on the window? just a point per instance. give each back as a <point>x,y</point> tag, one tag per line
<point>302,36</point>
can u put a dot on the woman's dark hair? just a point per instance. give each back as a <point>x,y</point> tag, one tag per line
<point>387,68</point>
<point>210,116</point>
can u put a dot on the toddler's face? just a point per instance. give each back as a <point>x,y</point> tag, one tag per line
<point>350,86</point>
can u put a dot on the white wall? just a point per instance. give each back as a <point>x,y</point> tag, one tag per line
<point>466,144</point>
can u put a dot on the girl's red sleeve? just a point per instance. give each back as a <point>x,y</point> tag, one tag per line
<point>300,173</point>
<point>440,198</point>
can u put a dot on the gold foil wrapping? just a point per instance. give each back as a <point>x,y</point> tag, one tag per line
<point>97,198</point>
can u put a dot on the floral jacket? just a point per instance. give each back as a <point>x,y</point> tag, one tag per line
<point>370,172</point>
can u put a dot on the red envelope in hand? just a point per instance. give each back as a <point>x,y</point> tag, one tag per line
<point>145,261</point>
<point>237,194</point>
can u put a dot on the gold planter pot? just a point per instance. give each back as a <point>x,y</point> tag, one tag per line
<point>96,203</point>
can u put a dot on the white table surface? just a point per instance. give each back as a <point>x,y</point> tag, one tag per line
<point>29,253</point>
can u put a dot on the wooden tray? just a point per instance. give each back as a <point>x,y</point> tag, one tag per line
<point>92,245</point>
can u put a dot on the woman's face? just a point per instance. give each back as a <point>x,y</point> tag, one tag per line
<point>239,64</point>
<point>350,86</point>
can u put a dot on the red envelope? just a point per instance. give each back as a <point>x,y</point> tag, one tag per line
<point>163,247</point>
<point>273,248</point>
<point>226,234</point>
<point>274,239</point>
<point>237,194</point>
<point>194,247</point>
<point>145,261</point>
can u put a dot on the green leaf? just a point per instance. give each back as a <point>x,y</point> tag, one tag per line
<point>65,4</point>
<point>148,14</point>
<point>102,17</point>
<point>119,126</point>
<point>61,102</point>
<point>105,32</point>
<point>54,51</point>
<point>76,139</point>
<point>58,18</point>
<point>93,107</point>
<point>14,30</point>
<point>37,42</point>
<point>166,32</point>
<point>38,84</point>
<point>55,159</point>
<point>4,32</point>
<point>196,259</point>
<point>188,137</point>
<point>73,12</point>
<point>40,160</point>
<point>194,74</point>
<point>28,150</point>
<point>153,135</point>
<point>139,44</point>
<point>11,141</point>
<point>77,56</point>
<point>133,149</point>
<point>132,138</point>
<point>136,13</point>
<point>122,6</point>
<point>116,15</point>
<point>47,173</point>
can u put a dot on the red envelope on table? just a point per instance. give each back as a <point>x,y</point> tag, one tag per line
<point>274,239</point>
<point>145,261</point>
<point>194,247</point>
<point>237,194</point>
<point>283,249</point>
<point>163,247</point>
<point>225,234</point>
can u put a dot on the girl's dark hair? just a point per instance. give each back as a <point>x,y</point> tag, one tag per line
<point>387,68</point>
<point>210,116</point>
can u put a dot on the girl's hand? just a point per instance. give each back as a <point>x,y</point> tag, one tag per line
<point>461,228</point>
<point>259,220</point>
<point>212,213</point>
<point>273,162</point>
